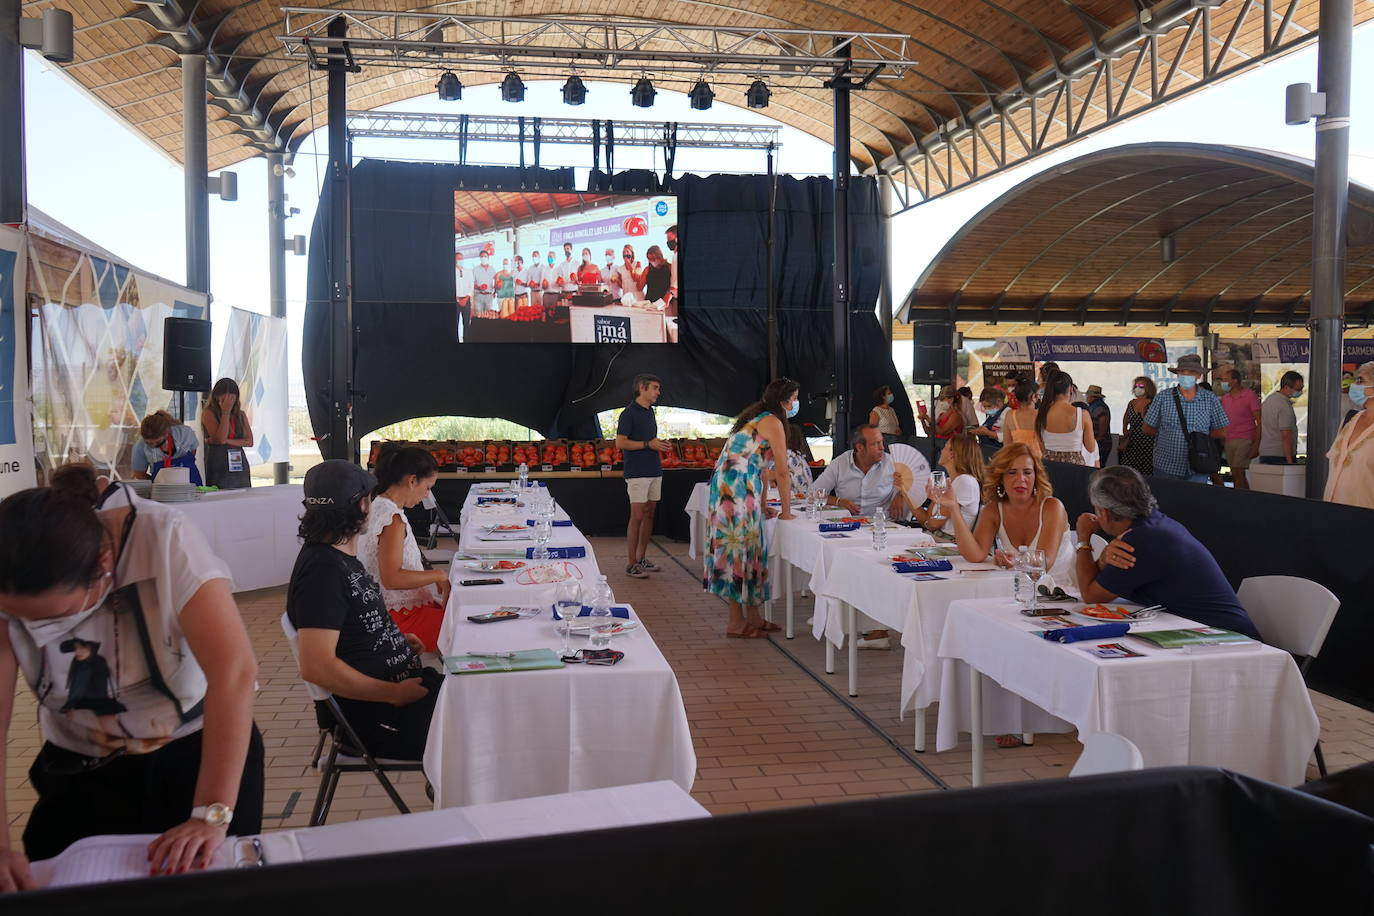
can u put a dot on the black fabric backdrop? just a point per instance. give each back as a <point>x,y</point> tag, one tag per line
<point>408,364</point>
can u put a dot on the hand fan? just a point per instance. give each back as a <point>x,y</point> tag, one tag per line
<point>912,471</point>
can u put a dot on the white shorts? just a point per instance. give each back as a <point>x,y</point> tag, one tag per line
<point>644,489</point>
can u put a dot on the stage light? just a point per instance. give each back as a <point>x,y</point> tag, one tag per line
<point>450,88</point>
<point>512,88</point>
<point>574,92</point>
<point>701,96</point>
<point>757,95</point>
<point>642,95</point>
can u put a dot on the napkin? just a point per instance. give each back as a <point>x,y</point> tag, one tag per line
<point>560,553</point>
<point>838,526</point>
<point>1077,634</point>
<point>484,500</point>
<point>622,612</point>
<point>921,566</point>
<point>566,523</point>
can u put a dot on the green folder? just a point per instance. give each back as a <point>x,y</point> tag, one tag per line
<point>522,660</point>
<point>1199,636</point>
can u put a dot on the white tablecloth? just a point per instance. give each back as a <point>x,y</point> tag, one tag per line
<point>253,531</point>
<point>697,509</point>
<point>1245,709</point>
<point>525,733</point>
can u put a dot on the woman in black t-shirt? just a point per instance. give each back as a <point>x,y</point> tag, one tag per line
<point>658,277</point>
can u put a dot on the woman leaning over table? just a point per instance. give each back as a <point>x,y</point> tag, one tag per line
<point>415,597</point>
<point>1351,480</point>
<point>227,434</point>
<point>963,460</point>
<point>123,625</point>
<point>165,444</point>
<point>737,560</point>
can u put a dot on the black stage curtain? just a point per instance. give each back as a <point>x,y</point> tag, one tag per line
<point>409,365</point>
<point>1263,534</point>
<point>1180,841</point>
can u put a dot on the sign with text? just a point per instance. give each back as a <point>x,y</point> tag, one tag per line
<point>1285,350</point>
<point>16,421</point>
<point>1097,349</point>
<point>612,328</point>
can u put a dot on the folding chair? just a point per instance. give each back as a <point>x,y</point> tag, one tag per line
<point>347,753</point>
<point>1106,753</point>
<point>1292,614</point>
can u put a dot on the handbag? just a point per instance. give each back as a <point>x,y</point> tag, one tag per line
<point>1204,453</point>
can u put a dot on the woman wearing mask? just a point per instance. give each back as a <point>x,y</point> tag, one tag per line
<point>1351,480</point>
<point>1018,425</point>
<point>588,273</point>
<point>737,559</point>
<point>658,276</point>
<point>963,460</point>
<point>1137,450</point>
<point>165,444</point>
<point>92,601</point>
<point>884,416</point>
<point>415,597</point>
<point>227,434</point>
<point>1065,430</point>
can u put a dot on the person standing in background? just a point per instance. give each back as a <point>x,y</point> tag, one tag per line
<point>1137,450</point>
<point>884,416</point>
<point>484,285</point>
<point>550,282</point>
<point>227,434</point>
<point>1351,478</point>
<point>1018,423</point>
<point>1200,412</point>
<point>610,275</point>
<point>993,400</point>
<point>658,277</point>
<point>1242,408</point>
<point>630,275</point>
<point>636,435</point>
<point>1100,412</point>
<point>1279,422</point>
<point>462,281</point>
<point>567,271</point>
<point>521,277</point>
<point>505,289</point>
<point>674,246</point>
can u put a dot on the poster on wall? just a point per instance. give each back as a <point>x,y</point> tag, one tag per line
<point>16,427</point>
<point>1082,349</point>
<point>254,356</point>
<point>996,374</point>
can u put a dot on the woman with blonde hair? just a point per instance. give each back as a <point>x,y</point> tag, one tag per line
<point>165,444</point>
<point>963,460</point>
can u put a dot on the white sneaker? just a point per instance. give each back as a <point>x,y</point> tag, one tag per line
<point>884,643</point>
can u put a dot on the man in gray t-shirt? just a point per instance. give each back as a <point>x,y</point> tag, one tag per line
<point>1279,422</point>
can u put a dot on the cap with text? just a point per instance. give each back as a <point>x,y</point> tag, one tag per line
<point>336,484</point>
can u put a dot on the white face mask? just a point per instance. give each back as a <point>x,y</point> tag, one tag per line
<point>51,629</point>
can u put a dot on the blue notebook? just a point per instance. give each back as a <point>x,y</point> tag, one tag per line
<point>560,553</point>
<point>922,566</point>
<point>839,526</point>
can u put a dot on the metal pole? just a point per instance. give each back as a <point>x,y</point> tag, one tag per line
<point>12,189</point>
<point>885,255</point>
<point>339,444</point>
<point>276,271</point>
<point>772,286</point>
<point>194,167</point>
<point>1336,26</point>
<point>839,430</point>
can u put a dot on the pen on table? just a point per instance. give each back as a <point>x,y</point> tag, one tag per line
<point>492,654</point>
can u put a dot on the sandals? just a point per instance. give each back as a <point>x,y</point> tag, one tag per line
<point>769,627</point>
<point>748,633</point>
<point>1008,741</point>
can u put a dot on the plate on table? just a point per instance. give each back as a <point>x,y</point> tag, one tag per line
<point>496,566</point>
<point>505,528</point>
<point>1115,613</point>
<point>850,519</point>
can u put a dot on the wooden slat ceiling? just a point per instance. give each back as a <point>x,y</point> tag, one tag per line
<point>481,212</point>
<point>967,50</point>
<point>1084,242</point>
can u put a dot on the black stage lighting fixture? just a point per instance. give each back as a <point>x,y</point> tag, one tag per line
<point>450,88</point>
<point>757,95</point>
<point>574,92</point>
<point>701,96</point>
<point>642,95</point>
<point>512,88</point>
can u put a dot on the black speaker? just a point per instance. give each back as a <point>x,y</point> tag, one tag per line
<point>186,354</point>
<point>932,353</point>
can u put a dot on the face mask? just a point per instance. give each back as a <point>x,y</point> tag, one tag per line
<point>792,411</point>
<point>1138,391</point>
<point>1224,387</point>
<point>1359,394</point>
<point>51,629</point>
<point>550,260</point>
<point>1295,394</point>
<point>672,244</point>
<point>1187,382</point>
<point>888,399</point>
<point>429,502</point>
<point>485,262</point>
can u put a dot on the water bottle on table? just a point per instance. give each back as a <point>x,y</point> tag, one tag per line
<point>601,622</point>
<point>524,472</point>
<point>879,529</point>
<point>1021,586</point>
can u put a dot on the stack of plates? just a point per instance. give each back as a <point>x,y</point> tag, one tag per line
<point>173,485</point>
<point>140,487</point>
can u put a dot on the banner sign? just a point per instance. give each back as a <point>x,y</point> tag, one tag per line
<point>17,470</point>
<point>1285,350</point>
<point>612,328</point>
<point>615,227</point>
<point>254,356</point>
<point>1097,349</point>
<point>995,375</point>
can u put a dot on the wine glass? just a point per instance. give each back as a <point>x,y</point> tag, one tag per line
<point>543,532</point>
<point>939,484</point>
<point>1035,568</point>
<point>567,598</point>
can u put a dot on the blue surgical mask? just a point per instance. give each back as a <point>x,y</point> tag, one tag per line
<point>1359,394</point>
<point>1224,386</point>
<point>1187,382</point>
<point>1295,394</point>
<point>792,411</point>
<point>889,397</point>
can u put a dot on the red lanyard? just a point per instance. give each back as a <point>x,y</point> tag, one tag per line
<point>169,448</point>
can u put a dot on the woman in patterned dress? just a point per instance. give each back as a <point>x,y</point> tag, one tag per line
<point>737,560</point>
<point>1137,450</point>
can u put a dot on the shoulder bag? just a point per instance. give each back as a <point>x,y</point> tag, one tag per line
<point>1204,453</point>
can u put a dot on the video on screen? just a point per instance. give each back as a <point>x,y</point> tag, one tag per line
<point>565,267</point>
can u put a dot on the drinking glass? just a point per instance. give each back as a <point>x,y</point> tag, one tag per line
<point>567,597</point>
<point>939,484</point>
<point>543,532</point>
<point>1035,568</point>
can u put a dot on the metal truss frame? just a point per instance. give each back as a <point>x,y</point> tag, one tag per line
<point>579,131</point>
<point>495,43</point>
<point>1123,73</point>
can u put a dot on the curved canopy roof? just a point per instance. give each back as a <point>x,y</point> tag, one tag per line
<point>1079,61</point>
<point>1152,232</point>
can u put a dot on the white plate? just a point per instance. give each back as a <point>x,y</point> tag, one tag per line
<point>478,566</point>
<point>1078,614</point>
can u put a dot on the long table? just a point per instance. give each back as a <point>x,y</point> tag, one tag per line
<point>1246,709</point>
<point>510,735</point>
<point>252,530</point>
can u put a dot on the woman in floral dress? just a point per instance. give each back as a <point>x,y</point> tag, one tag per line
<point>737,560</point>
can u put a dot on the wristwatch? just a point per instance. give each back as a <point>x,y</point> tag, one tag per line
<point>1083,545</point>
<point>215,814</point>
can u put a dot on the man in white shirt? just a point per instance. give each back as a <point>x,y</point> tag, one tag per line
<point>568,269</point>
<point>610,275</point>
<point>462,281</point>
<point>863,479</point>
<point>484,283</point>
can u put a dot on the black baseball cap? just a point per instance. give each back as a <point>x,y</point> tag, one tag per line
<point>336,484</point>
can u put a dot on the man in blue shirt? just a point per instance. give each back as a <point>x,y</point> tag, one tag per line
<point>1202,412</point>
<point>636,435</point>
<point>1152,559</point>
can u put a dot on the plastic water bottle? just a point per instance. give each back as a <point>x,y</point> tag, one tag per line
<point>1021,584</point>
<point>601,622</point>
<point>524,472</point>
<point>879,529</point>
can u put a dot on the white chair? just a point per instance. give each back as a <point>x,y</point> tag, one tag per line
<point>1292,614</point>
<point>1106,753</point>
<point>347,753</point>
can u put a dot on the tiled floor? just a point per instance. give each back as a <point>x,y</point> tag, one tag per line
<point>771,729</point>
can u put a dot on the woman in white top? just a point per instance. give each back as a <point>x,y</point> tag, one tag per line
<point>1065,430</point>
<point>884,416</point>
<point>415,597</point>
<point>963,460</point>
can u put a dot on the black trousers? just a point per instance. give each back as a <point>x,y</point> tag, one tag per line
<point>135,793</point>
<point>398,732</point>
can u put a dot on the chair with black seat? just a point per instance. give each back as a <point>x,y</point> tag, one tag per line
<point>347,753</point>
<point>1292,614</point>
